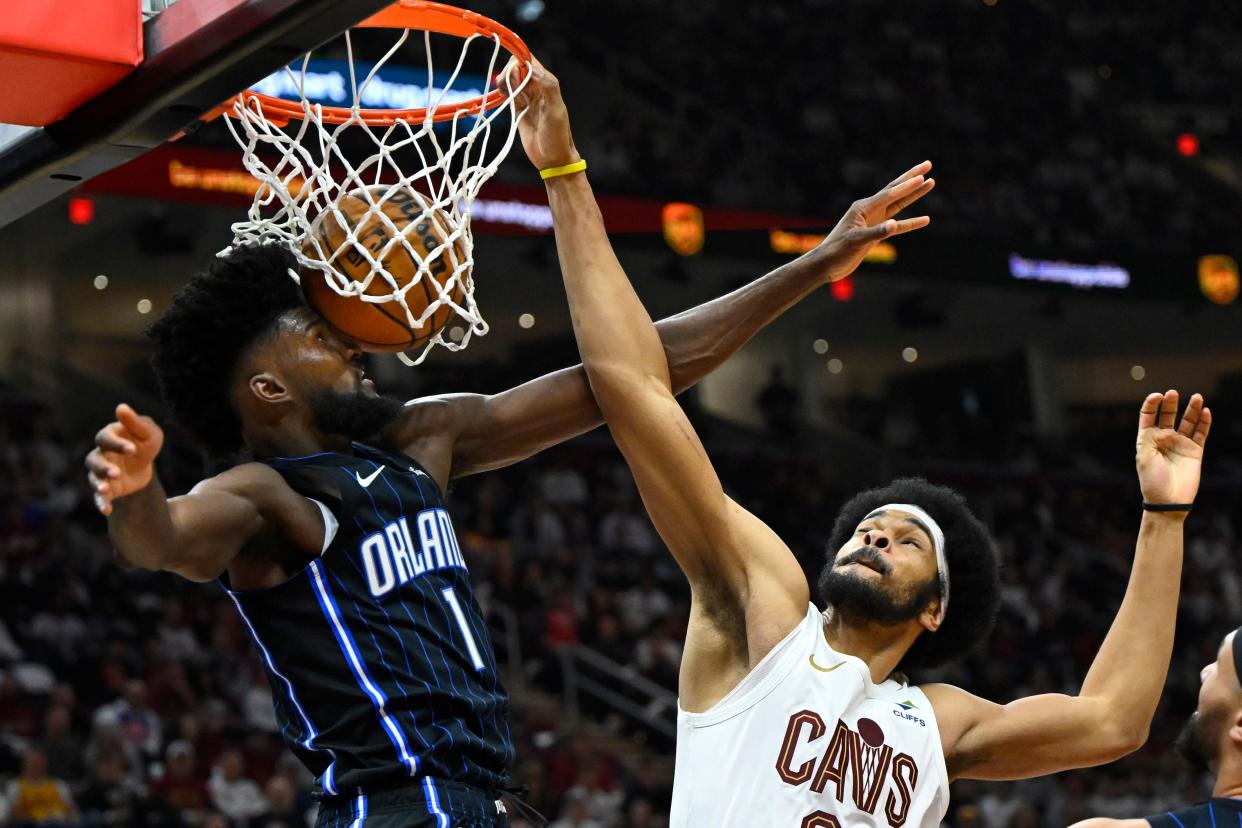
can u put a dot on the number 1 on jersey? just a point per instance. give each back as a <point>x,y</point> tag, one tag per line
<point>455,606</point>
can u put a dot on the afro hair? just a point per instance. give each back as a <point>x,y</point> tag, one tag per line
<point>214,318</point>
<point>972,557</point>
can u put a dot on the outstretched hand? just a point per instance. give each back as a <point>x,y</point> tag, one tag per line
<point>872,220</point>
<point>123,459</point>
<point>543,120</point>
<point>1169,459</point>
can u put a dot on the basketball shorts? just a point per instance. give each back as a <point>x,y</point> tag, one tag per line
<point>431,803</point>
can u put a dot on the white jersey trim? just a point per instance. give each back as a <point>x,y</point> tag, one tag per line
<point>330,524</point>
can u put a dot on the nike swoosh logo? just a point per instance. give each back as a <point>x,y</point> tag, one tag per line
<point>824,669</point>
<point>369,479</point>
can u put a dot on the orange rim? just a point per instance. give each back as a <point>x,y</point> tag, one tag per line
<point>420,15</point>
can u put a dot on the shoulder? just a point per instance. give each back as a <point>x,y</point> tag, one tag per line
<point>957,711</point>
<point>259,485</point>
<point>249,480</point>
<point>1101,822</point>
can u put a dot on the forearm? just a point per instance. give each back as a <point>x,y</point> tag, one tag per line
<point>1129,671</point>
<point>141,528</point>
<point>614,332</point>
<point>699,340</point>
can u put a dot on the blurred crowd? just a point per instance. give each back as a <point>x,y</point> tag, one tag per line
<point>1037,116</point>
<point>134,699</point>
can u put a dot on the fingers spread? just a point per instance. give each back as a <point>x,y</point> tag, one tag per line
<point>1147,412</point>
<point>897,228</point>
<point>1168,409</point>
<point>917,169</point>
<point>1190,419</point>
<point>1203,427</point>
<point>905,201</point>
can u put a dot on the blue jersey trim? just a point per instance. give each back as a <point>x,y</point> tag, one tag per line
<point>433,803</point>
<point>311,732</point>
<point>1175,819</point>
<point>360,811</point>
<point>323,592</point>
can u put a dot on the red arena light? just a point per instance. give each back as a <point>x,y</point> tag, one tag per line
<point>842,289</point>
<point>1188,144</point>
<point>81,210</point>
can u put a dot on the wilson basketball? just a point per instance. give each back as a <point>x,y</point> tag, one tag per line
<point>384,326</point>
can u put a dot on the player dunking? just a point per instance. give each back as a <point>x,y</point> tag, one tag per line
<point>334,542</point>
<point>793,717</point>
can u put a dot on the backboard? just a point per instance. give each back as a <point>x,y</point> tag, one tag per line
<point>197,54</point>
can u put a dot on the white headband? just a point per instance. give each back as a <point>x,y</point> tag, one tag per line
<point>937,537</point>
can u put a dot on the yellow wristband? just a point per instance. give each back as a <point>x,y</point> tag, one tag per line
<point>553,172</point>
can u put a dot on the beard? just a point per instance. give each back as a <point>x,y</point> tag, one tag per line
<point>1196,742</point>
<point>357,415</point>
<point>847,592</point>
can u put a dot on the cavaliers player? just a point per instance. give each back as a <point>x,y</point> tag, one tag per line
<point>793,717</point>
<point>334,542</point>
<point>1211,742</point>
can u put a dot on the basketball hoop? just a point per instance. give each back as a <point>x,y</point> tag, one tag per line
<point>295,148</point>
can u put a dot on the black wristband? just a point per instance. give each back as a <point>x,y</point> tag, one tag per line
<point>1167,507</point>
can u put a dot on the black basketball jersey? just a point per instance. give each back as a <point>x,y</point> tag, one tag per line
<point>1220,812</point>
<point>381,667</point>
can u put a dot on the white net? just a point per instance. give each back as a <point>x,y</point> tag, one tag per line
<point>308,165</point>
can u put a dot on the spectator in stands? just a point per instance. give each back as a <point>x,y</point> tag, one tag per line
<point>34,798</point>
<point>61,746</point>
<point>182,787</point>
<point>233,793</point>
<point>282,809</point>
<point>110,800</point>
<point>137,723</point>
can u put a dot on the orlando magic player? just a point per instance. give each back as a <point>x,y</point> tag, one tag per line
<point>1212,743</point>
<point>790,716</point>
<point>334,542</point>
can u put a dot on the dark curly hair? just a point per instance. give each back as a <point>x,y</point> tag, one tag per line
<point>214,318</point>
<point>974,566</point>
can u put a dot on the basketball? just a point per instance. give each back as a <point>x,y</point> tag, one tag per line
<point>385,326</point>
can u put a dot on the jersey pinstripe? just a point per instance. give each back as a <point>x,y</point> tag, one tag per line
<point>1219,812</point>
<point>381,667</point>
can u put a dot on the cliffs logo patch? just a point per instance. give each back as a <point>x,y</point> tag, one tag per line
<point>904,713</point>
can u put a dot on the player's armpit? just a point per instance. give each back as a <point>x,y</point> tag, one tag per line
<point>1029,737</point>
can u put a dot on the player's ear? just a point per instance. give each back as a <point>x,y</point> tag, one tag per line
<point>268,387</point>
<point>930,616</point>
<point>1235,728</point>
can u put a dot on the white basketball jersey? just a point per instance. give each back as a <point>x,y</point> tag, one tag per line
<point>807,740</point>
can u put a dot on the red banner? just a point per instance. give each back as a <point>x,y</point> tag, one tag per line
<point>209,176</point>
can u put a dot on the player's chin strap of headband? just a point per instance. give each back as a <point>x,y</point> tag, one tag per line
<point>942,564</point>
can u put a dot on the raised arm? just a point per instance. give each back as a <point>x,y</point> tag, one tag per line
<point>489,432</point>
<point>501,429</point>
<point>197,535</point>
<point>1112,712</point>
<point>747,589</point>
